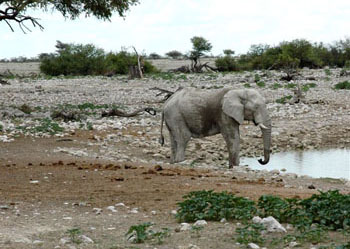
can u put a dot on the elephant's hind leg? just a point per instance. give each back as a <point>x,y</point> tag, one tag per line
<point>181,136</point>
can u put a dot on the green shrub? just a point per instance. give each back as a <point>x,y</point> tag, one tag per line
<point>71,59</point>
<point>276,86</point>
<point>342,85</point>
<point>250,234</point>
<point>226,64</point>
<point>74,60</point>
<point>260,84</point>
<point>284,99</point>
<point>209,205</point>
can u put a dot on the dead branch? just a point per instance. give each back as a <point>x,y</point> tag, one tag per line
<point>4,82</point>
<point>133,72</point>
<point>12,13</point>
<point>119,113</point>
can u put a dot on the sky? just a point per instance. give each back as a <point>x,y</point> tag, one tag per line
<point>159,26</point>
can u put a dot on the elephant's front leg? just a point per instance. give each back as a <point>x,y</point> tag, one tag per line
<point>231,135</point>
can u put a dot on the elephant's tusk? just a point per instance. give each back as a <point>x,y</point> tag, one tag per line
<point>262,126</point>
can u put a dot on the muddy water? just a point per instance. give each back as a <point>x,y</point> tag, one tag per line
<point>334,163</point>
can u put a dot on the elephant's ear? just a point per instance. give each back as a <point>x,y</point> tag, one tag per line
<point>233,107</point>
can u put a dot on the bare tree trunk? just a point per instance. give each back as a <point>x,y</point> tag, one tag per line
<point>136,71</point>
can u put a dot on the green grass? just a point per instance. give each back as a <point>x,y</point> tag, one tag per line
<point>260,84</point>
<point>342,85</point>
<point>284,99</point>
<point>276,86</point>
<point>45,125</point>
<point>74,235</point>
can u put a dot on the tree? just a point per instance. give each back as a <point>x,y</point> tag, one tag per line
<point>174,54</point>
<point>199,47</point>
<point>15,11</point>
<point>228,52</point>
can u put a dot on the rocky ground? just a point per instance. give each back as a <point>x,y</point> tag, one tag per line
<point>101,175</point>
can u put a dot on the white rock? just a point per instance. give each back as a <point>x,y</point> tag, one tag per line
<point>38,242</point>
<point>85,239</point>
<point>293,244</point>
<point>34,182</point>
<point>134,211</point>
<point>112,209</point>
<point>272,225</point>
<point>200,223</point>
<point>253,246</point>
<point>223,220</point>
<point>97,210</point>
<point>256,219</point>
<point>120,204</point>
<point>185,227</point>
<point>64,241</point>
<point>173,212</point>
<point>153,212</point>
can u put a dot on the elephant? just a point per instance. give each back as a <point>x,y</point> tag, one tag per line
<point>197,113</point>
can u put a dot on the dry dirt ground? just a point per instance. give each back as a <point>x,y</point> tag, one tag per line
<point>44,195</point>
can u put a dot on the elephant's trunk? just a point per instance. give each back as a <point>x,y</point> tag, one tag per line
<point>266,134</point>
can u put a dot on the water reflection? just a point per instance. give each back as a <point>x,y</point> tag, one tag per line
<point>334,163</point>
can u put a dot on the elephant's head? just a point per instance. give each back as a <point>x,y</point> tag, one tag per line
<point>248,104</point>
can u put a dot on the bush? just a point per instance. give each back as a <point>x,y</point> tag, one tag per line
<point>342,85</point>
<point>74,60</point>
<point>226,64</point>
<point>71,59</point>
<point>209,205</point>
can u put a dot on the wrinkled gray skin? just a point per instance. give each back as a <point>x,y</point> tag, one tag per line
<point>196,113</point>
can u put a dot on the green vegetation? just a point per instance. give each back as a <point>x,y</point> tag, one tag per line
<point>208,205</point>
<point>251,233</point>
<point>1,128</point>
<point>284,99</point>
<point>21,10</point>
<point>260,84</point>
<point>276,86</point>
<point>313,218</point>
<point>307,87</point>
<point>72,59</point>
<point>298,53</point>
<point>44,125</point>
<point>174,54</point>
<point>342,85</point>
<point>169,76</point>
<point>226,63</point>
<point>141,233</point>
<point>74,235</point>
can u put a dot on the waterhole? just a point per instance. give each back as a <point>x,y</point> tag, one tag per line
<point>333,163</point>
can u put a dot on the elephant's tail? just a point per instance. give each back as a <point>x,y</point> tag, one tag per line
<point>161,139</point>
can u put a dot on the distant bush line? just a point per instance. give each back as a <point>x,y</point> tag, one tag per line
<point>298,53</point>
<point>78,59</point>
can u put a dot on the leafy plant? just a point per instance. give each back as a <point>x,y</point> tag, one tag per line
<point>276,86</point>
<point>328,72</point>
<point>250,234</point>
<point>208,205</point>
<point>45,125</point>
<point>284,99</point>
<point>74,235</point>
<point>247,85</point>
<point>290,85</point>
<point>139,231</point>
<point>342,85</point>
<point>260,84</point>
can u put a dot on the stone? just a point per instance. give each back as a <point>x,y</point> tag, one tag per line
<point>253,246</point>
<point>85,239</point>
<point>271,224</point>
<point>112,209</point>
<point>200,223</point>
<point>185,227</point>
